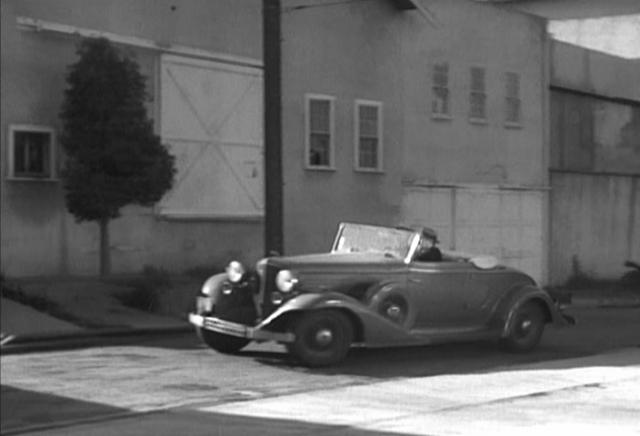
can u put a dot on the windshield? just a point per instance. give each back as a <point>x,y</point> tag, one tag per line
<point>355,238</point>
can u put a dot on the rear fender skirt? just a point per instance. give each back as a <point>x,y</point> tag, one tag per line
<point>376,329</point>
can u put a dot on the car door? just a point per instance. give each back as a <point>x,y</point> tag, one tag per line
<point>443,294</point>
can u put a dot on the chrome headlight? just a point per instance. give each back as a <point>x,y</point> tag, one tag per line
<point>285,280</point>
<point>235,271</point>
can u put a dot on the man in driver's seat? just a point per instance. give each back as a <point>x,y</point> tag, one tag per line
<point>427,251</point>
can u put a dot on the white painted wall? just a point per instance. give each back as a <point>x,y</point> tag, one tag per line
<point>481,219</point>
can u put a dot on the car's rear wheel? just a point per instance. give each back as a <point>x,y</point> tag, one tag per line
<point>220,342</point>
<point>322,337</point>
<point>526,328</point>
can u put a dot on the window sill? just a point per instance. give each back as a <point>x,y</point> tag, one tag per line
<point>369,170</point>
<point>441,117</point>
<point>325,169</point>
<point>32,179</point>
<point>512,125</point>
<point>479,121</point>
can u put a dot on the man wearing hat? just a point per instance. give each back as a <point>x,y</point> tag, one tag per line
<point>427,251</point>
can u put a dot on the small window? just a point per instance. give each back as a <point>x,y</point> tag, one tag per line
<point>368,135</point>
<point>31,152</point>
<point>440,90</point>
<point>477,96</point>
<point>319,132</point>
<point>512,99</point>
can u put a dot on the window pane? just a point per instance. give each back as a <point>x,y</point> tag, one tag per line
<point>368,121</point>
<point>440,102</point>
<point>368,136</point>
<point>319,150</point>
<point>512,99</point>
<point>513,85</point>
<point>477,79</point>
<point>32,154</point>
<point>319,115</point>
<point>368,155</point>
<point>513,110</point>
<point>441,75</point>
<point>477,109</point>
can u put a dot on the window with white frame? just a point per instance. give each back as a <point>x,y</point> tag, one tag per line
<point>440,90</point>
<point>368,135</point>
<point>319,131</point>
<point>512,99</point>
<point>31,152</point>
<point>477,95</point>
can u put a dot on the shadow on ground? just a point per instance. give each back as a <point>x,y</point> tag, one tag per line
<point>45,410</point>
<point>55,415</point>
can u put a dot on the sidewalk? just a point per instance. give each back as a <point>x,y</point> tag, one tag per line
<point>87,310</point>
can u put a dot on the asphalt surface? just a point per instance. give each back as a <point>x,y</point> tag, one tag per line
<point>174,385</point>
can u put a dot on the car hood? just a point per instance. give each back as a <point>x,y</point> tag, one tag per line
<point>335,260</point>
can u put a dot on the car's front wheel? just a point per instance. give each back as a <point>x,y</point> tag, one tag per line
<point>322,337</point>
<point>220,342</point>
<point>526,329</point>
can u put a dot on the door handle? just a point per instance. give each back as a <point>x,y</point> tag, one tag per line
<point>415,280</point>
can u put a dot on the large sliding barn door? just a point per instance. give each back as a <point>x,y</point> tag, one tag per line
<point>481,219</point>
<point>211,118</point>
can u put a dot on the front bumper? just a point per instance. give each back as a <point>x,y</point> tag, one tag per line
<point>239,330</point>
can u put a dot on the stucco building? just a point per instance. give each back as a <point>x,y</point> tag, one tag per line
<point>203,63</point>
<point>408,112</point>
<point>433,119</point>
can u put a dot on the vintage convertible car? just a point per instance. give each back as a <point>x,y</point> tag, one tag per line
<point>378,286</point>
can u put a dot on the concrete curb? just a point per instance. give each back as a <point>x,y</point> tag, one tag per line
<point>86,338</point>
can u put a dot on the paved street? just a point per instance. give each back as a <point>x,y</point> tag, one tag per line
<point>175,386</point>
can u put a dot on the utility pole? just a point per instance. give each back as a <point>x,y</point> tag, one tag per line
<point>273,234</point>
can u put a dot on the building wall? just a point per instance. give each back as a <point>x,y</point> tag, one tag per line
<point>373,51</point>
<point>38,236</point>
<point>595,226</point>
<point>595,163</point>
<point>455,149</point>
<point>349,51</point>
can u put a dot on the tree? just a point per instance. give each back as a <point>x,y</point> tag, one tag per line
<point>113,156</point>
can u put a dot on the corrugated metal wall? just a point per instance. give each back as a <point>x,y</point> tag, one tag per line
<point>595,224</point>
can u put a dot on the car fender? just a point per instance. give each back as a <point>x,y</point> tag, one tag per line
<point>213,285</point>
<point>371,328</point>
<point>229,301</point>
<point>516,298</point>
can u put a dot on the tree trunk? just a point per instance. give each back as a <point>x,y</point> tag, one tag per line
<point>105,251</point>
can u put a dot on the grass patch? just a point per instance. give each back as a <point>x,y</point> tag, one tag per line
<point>14,292</point>
<point>147,289</point>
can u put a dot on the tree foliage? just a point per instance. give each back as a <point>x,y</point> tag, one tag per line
<point>113,156</point>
